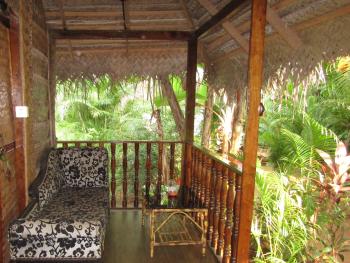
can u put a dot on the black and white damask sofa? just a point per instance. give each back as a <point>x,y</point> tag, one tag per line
<point>69,216</point>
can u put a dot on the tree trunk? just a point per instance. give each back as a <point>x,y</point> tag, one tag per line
<point>168,91</point>
<point>208,115</point>
<point>237,127</point>
<point>160,132</point>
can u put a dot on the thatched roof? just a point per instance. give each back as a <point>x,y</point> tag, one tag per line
<point>299,34</point>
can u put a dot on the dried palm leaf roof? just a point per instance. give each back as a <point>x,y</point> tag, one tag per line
<point>299,34</point>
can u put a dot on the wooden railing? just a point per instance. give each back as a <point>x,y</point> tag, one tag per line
<point>211,181</point>
<point>128,174</point>
<point>215,183</point>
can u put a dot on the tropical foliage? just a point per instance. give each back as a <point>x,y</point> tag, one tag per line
<point>303,131</point>
<point>302,195</point>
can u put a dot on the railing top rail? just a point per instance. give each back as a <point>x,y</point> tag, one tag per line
<point>122,141</point>
<point>235,166</point>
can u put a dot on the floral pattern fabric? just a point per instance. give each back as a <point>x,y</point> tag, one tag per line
<point>84,168</point>
<point>53,179</point>
<point>70,218</point>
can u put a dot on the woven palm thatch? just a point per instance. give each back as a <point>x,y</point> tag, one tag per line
<point>320,25</point>
<point>121,63</point>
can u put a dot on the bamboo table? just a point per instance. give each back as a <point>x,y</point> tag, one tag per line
<point>176,226</point>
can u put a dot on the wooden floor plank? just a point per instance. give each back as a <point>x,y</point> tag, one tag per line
<point>127,241</point>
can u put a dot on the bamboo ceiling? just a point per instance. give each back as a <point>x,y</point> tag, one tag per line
<point>299,34</point>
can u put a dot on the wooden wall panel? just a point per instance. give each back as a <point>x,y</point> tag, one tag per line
<point>35,71</point>
<point>8,192</point>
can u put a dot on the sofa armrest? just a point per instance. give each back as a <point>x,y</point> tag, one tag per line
<point>52,180</point>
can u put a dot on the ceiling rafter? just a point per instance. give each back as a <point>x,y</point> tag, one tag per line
<point>245,26</point>
<point>288,34</point>
<point>341,11</point>
<point>187,14</point>
<point>228,26</point>
<point>64,24</point>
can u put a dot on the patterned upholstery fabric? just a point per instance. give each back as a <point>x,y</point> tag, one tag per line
<point>70,218</point>
<point>53,179</point>
<point>84,168</point>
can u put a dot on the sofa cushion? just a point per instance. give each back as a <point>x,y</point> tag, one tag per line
<point>45,238</point>
<point>83,204</point>
<point>71,225</point>
<point>84,167</point>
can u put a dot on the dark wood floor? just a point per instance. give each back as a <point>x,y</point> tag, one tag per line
<point>128,242</point>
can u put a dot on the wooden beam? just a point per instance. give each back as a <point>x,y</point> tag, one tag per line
<point>189,116</point>
<point>17,94</point>
<point>218,17</point>
<point>127,13</point>
<point>228,26</point>
<point>64,24</point>
<point>187,14</point>
<point>110,34</point>
<point>341,11</point>
<point>288,34</point>
<point>255,79</point>
<point>52,89</point>
<point>190,89</point>
<point>79,50</point>
<point>245,26</point>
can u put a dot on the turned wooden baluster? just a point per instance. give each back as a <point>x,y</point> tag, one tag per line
<point>65,145</point>
<point>88,144</point>
<point>125,175</point>
<point>222,216</point>
<point>160,166</point>
<point>236,216</point>
<point>187,188</point>
<point>136,181</point>
<point>172,160</point>
<point>211,201</point>
<point>199,178</point>
<point>194,175</point>
<point>203,179</point>
<point>77,144</point>
<point>148,169</point>
<point>208,165</point>
<point>214,240</point>
<point>113,179</point>
<point>229,218</point>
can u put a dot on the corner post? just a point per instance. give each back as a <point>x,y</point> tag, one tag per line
<point>189,114</point>
<point>255,79</point>
<point>17,94</point>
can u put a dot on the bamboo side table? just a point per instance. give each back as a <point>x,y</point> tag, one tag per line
<point>176,226</point>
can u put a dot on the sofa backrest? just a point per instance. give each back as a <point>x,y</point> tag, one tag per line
<point>53,179</point>
<point>84,167</point>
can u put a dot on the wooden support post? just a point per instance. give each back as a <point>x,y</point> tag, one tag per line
<point>17,92</point>
<point>255,78</point>
<point>190,89</point>
<point>52,89</point>
<point>189,114</point>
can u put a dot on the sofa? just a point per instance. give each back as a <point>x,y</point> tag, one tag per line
<point>68,215</point>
